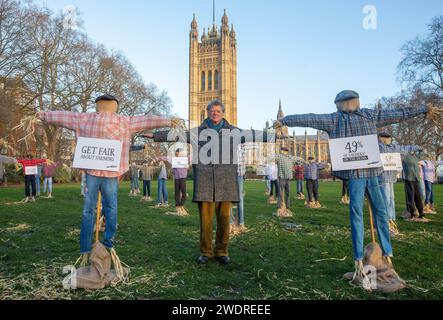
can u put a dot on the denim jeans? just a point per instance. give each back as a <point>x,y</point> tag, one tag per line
<point>47,183</point>
<point>429,199</point>
<point>83,184</point>
<point>283,193</point>
<point>135,184</point>
<point>162,191</point>
<point>299,186</point>
<point>274,186</point>
<point>422,188</point>
<point>30,186</point>
<point>108,187</point>
<point>147,188</point>
<point>387,190</point>
<point>357,189</point>
<point>37,184</point>
<point>240,205</point>
<point>268,184</point>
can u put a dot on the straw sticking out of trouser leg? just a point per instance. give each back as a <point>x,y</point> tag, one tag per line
<point>360,275</point>
<point>121,269</point>
<point>83,260</point>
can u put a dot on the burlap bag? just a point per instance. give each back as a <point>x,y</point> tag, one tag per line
<point>100,258</point>
<point>98,274</point>
<point>387,279</point>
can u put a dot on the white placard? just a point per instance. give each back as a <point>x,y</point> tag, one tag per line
<point>352,153</point>
<point>30,171</point>
<point>391,161</point>
<point>180,163</point>
<point>98,154</point>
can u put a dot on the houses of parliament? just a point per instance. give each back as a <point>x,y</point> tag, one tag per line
<point>213,75</point>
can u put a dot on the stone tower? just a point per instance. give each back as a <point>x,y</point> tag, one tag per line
<point>212,70</point>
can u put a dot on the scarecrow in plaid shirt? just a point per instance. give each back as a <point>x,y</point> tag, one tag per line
<point>352,121</point>
<point>104,124</point>
<point>285,164</point>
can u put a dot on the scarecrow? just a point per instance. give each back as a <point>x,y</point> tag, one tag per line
<point>352,121</point>
<point>388,178</point>
<point>8,161</point>
<point>285,164</point>
<point>104,124</point>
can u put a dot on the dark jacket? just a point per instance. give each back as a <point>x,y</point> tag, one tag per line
<point>215,182</point>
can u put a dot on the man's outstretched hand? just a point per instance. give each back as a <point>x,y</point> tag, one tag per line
<point>148,135</point>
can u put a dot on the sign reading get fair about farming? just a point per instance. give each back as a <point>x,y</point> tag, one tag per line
<point>352,153</point>
<point>98,154</point>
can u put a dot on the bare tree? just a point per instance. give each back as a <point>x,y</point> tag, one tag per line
<point>60,68</point>
<point>14,40</point>
<point>422,62</point>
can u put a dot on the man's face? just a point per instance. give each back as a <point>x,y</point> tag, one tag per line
<point>216,114</point>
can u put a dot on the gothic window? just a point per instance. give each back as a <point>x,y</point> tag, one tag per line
<point>203,82</point>
<point>216,80</point>
<point>209,80</point>
<point>202,116</point>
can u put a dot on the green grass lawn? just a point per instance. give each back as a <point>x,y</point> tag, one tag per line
<point>37,240</point>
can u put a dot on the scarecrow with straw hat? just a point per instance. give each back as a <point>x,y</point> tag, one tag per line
<point>352,121</point>
<point>104,124</point>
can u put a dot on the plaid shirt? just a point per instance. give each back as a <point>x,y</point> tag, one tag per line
<point>427,168</point>
<point>105,126</point>
<point>391,176</point>
<point>241,160</point>
<point>299,172</point>
<point>311,170</point>
<point>362,122</point>
<point>285,165</point>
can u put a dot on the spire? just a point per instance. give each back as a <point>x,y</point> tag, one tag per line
<point>213,13</point>
<point>194,31</point>
<point>280,114</point>
<point>194,25</point>
<point>232,34</point>
<point>225,20</point>
<point>204,37</point>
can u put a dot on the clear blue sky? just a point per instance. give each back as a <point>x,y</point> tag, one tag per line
<point>303,52</point>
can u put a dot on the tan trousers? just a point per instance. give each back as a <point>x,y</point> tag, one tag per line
<point>223,211</point>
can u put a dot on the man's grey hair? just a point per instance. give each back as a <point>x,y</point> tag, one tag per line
<point>214,103</point>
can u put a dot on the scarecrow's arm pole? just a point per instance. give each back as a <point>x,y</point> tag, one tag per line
<point>142,123</point>
<point>386,117</point>
<point>323,122</point>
